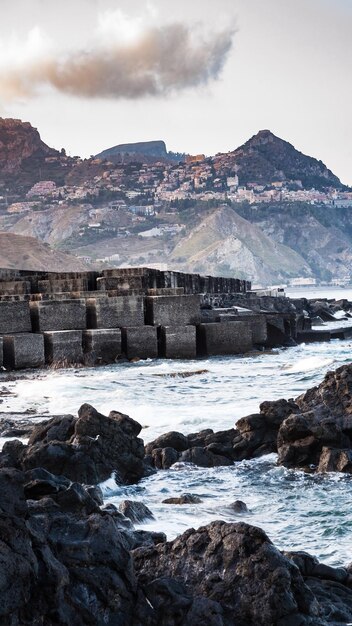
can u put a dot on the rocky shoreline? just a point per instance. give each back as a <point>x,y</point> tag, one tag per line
<point>68,558</point>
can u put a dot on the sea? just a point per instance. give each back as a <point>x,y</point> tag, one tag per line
<point>298,511</point>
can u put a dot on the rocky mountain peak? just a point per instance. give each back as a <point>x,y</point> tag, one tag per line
<point>19,141</point>
<point>265,158</point>
<point>263,137</point>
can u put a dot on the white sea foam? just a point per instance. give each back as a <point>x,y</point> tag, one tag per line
<point>298,511</point>
<point>308,364</point>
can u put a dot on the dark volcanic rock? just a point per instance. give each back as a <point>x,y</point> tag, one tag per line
<point>231,571</point>
<point>61,567</point>
<point>135,511</point>
<point>86,449</point>
<point>254,436</point>
<point>312,432</point>
<point>239,507</point>
<point>61,564</point>
<point>186,498</point>
<point>319,435</point>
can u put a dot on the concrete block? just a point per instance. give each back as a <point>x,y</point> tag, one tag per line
<point>310,336</point>
<point>178,342</point>
<point>140,342</point>
<point>103,345</point>
<point>23,350</point>
<point>166,291</point>
<point>258,325</point>
<point>172,310</point>
<point>280,329</point>
<point>15,317</point>
<point>115,312</point>
<point>122,284</point>
<point>58,315</point>
<point>1,351</point>
<point>226,338</point>
<point>15,287</point>
<point>63,346</point>
<point>53,285</point>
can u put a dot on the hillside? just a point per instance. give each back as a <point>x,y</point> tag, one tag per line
<point>264,211</point>
<point>322,236</point>
<point>224,243</point>
<point>26,253</point>
<point>265,159</point>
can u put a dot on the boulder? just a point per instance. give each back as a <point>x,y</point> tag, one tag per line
<point>239,507</point>
<point>253,436</point>
<point>61,566</point>
<point>135,511</point>
<point>87,449</point>
<point>187,498</point>
<point>230,572</point>
<point>319,434</point>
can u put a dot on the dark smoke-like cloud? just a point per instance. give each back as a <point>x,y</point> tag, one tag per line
<point>160,61</point>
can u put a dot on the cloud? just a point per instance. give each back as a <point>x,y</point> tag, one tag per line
<point>127,59</point>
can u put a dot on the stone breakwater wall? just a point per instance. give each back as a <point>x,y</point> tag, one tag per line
<point>91,317</point>
<point>123,281</point>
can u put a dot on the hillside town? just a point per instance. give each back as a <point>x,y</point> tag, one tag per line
<point>126,206</point>
<point>149,185</point>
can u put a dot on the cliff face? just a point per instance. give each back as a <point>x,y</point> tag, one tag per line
<point>20,141</point>
<point>266,158</point>
<point>25,159</point>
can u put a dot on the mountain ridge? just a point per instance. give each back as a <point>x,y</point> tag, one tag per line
<point>250,212</point>
<point>265,158</point>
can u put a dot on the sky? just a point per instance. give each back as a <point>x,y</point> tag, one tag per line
<point>203,75</point>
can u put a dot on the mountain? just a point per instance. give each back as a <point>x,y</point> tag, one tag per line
<point>149,151</point>
<point>25,159</point>
<point>146,148</point>
<point>224,243</point>
<point>265,159</point>
<point>322,236</point>
<point>27,253</point>
<point>19,141</point>
<point>264,211</point>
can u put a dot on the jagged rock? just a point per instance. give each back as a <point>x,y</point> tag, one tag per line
<point>62,566</point>
<point>86,449</point>
<point>136,511</point>
<point>330,586</point>
<point>258,433</point>
<point>232,570</point>
<point>145,538</point>
<point>254,436</point>
<point>19,141</point>
<point>318,435</point>
<point>313,431</point>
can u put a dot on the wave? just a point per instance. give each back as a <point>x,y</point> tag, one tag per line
<point>308,364</point>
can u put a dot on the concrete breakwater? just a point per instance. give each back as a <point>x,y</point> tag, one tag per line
<point>91,317</point>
